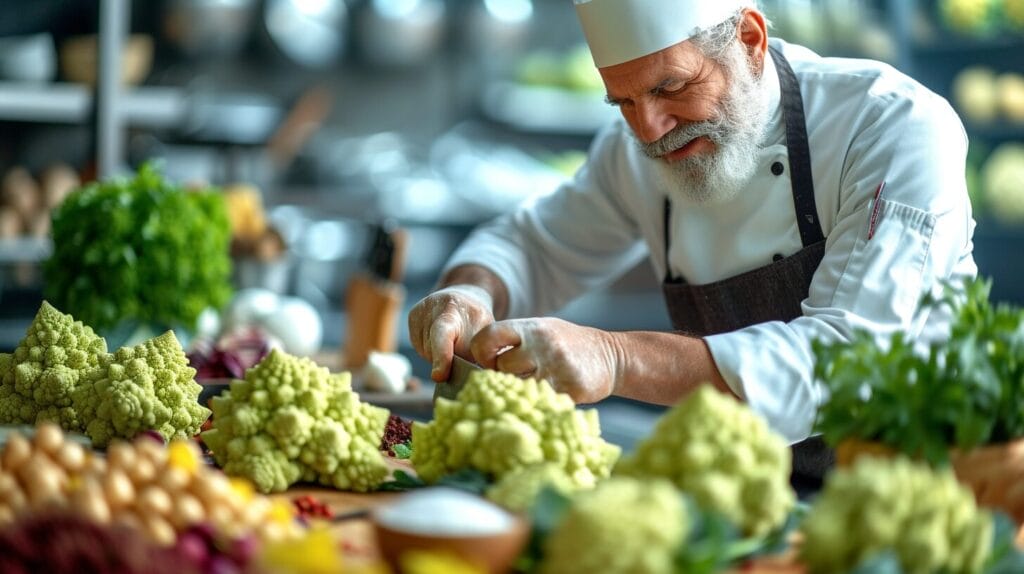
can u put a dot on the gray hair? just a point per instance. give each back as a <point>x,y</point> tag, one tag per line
<point>715,40</point>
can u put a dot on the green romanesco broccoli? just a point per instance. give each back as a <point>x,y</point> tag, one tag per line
<point>518,489</point>
<point>724,456</point>
<point>146,387</point>
<point>926,517</point>
<point>37,380</point>
<point>292,420</point>
<point>500,423</point>
<point>623,526</point>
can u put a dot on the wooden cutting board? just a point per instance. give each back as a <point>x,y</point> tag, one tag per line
<point>355,535</point>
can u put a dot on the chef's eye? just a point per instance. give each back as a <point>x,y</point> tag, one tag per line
<point>669,88</point>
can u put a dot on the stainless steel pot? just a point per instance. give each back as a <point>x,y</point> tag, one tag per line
<point>209,28</point>
<point>400,33</point>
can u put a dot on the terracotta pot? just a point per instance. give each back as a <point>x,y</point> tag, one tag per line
<point>995,473</point>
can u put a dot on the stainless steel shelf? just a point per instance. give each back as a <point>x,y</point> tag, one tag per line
<point>153,107</point>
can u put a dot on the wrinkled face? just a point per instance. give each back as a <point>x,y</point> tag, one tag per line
<point>700,119</point>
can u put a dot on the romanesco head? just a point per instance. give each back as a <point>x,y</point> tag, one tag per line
<point>317,427</point>
<point>38,379</point>
<point>518,489</point>
<point>623,526</point>
<point>146,387</point>
<point>500,423</point>
<point>724,456</point>
<point>926,517</point>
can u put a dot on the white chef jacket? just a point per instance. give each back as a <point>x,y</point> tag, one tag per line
<point>867,123</point>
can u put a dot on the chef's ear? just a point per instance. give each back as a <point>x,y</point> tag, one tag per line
<point>753,33</point>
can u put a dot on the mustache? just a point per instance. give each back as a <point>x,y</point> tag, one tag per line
<point>715,129</point>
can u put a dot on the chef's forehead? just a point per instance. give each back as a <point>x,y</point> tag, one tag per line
<point>622,30</point>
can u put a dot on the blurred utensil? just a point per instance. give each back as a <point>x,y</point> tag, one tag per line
<point>208,28</point>
<point>78,59</point>
<point>374,298</point>
<point>28,58</point>
<point>309,33</point>
<point>400,33</point>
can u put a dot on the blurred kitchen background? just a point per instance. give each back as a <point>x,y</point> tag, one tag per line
<point>325,119</point>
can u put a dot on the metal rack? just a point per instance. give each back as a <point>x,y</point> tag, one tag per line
<point>110,108</point>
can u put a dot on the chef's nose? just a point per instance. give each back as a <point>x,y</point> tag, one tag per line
<point>652,122</point>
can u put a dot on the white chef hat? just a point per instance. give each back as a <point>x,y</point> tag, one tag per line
<point>622,30</point>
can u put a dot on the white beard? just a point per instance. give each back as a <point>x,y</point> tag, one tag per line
<point>736,131</point>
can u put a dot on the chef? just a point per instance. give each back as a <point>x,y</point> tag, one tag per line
<point>784,198</point>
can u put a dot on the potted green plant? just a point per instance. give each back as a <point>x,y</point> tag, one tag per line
<point>958,402</point>
<point>139,252</point>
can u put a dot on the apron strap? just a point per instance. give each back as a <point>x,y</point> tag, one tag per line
<point>666,210</point>
<point>799,151</point>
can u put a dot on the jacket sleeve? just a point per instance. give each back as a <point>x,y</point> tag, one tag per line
<point>555,247</point>
<point>922,235</point>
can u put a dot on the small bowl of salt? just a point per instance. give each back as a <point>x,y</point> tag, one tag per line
<point>452,522</point>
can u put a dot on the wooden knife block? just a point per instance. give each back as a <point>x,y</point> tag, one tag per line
<point>372,307</point>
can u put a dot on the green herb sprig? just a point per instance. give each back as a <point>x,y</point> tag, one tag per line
<point>965,392</point>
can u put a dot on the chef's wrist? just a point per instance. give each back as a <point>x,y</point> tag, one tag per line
<point>616,344</point>
<point>481,284</point>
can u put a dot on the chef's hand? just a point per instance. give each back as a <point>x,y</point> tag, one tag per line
<point>443,323</point>
<point>577,360</point>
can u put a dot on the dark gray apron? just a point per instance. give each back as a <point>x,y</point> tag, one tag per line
<point>772,292</point>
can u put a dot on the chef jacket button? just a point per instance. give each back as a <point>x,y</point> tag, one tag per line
<point>778,168</point>
<point>778,257</point>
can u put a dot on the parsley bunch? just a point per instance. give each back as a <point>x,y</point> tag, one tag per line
<point>964,392</point>
<point>139,249</point>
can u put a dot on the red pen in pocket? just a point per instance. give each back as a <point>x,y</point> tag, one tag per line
<point>874,211</point>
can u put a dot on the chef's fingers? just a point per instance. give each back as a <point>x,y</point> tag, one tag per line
<point>517,361</point>
<point>492,340</point>
<point>416,330</point>
<point>441,344</point>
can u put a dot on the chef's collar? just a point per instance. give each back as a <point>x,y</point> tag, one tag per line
<point>622,30</point>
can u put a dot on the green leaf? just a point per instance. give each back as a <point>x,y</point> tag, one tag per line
<point>401,482</point>
<point>402,450</point>
<point>712,544</point>
<point>467,479</point>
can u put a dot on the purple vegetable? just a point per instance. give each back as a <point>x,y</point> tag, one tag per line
<point>221,565</point>
<point>244,549</point>
<point>194,548</point>
<point>152,435</point>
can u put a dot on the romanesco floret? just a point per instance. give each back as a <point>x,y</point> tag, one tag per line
<point>623,526</point>
<point>724,456</point>
<point>500,423</point>
<point>518,489</point>
<point>926,517</point>
<point>146,387</point>
<point>37,380</point>
<point>292,420</point>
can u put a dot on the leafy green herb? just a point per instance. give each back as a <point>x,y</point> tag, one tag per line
<point>964,392</point>
<point>402,451</point>
<point>469,480</point>
<point>139,249</point>
<point>547,511</point>
<point>401,481</point>
<point>709,547</point>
